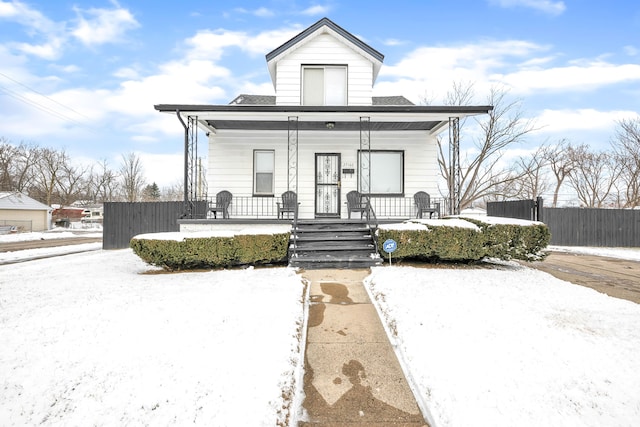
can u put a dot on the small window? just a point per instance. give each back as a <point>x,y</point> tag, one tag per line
<point>263,167</point>
<point>324,85</point>
<point>387,173</point>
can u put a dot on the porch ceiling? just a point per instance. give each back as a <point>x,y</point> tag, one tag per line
<point>318,125</point>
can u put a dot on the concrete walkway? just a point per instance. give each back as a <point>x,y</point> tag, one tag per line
<point>352,376</point>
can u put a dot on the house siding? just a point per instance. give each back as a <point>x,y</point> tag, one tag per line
<point>324,50</point>
<point>231,164</point>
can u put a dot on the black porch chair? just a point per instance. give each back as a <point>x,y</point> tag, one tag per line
<point>355,204</point>
<point>288,205</point>
<point>223,200</point>
<point>423,204</point>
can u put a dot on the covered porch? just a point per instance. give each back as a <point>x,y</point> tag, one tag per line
<point>295,124</point>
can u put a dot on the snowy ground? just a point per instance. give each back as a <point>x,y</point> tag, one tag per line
<point>91,339</point>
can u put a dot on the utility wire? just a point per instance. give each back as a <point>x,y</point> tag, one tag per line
<point>41,106</point>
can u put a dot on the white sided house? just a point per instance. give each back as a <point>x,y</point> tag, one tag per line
<point>322,136</point>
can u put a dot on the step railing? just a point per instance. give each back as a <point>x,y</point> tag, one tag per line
<point>372,221</point>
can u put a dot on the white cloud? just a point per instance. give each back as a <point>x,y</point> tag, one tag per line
<point>585,119</point>
<point>393,42</point>
<point>316,10</point>
<point>23,14</point>
<point>546,6</point>
<point>163,169</point>
<point>569,78</point>
<point>631,50</point>
<point>263,12</point>
<point>35,23</point>
<point>212,44</point>
<point>434,69</point>
<point>512,63</point>
<point>103,26</point>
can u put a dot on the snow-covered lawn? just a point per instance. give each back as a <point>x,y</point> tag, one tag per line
<point>512,346</point>
<point>91,339</point>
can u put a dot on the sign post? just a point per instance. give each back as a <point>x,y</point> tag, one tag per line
<point>389,246</point>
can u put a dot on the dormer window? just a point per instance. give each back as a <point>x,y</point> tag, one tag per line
<point>324,85</point>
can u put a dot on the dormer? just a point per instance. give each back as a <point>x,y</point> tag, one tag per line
<point>324,65</point>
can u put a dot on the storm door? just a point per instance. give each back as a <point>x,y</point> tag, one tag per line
<point>328,185</point>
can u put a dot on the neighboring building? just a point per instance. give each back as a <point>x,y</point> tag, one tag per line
<point>322,135</point>
<point>23,212</point>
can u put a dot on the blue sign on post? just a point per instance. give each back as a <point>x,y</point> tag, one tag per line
<point>389,246</point>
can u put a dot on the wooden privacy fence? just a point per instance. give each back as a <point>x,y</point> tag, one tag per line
<point>123,220</point>
<point>577,226</point>
<point>593,227</point>
<point>531,210</point>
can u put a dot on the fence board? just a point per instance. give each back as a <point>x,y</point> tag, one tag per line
<point>593,227</point>
<point>123,220</point>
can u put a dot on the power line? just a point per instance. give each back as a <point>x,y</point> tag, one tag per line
<point>41,106</point>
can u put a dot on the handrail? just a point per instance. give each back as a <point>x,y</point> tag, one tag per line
<point>294,233</point>
<point>373,225</point>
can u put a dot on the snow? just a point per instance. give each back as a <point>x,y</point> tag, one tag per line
<point>94,338</point>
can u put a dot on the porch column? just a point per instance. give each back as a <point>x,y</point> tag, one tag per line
<point>190,153</point>
<point>364,170</point>
<point>292,159</point>
<point>454,166</point>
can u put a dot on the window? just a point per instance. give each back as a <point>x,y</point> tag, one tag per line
<point>263,167</point>
<point>324,85</point>
<point>387,172</point>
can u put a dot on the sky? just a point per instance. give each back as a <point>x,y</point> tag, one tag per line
<point>84,75</point>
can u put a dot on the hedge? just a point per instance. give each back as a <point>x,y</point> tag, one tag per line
<point>211,251</point>
<point>465,239</point>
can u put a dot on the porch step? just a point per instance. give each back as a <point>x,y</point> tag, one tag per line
<point>332,244</point>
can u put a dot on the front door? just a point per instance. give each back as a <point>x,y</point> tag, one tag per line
<point>328,185</point>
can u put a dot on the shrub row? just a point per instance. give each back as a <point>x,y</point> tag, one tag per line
<point>463,239</point>
<point>212,252</point>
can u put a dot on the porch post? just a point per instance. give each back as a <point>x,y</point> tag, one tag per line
<point>292,148</point>
<point>364,169</point>
<point>454,165</point>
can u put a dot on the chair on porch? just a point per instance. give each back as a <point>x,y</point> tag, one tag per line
<point>355,204</point>
<point>288,205</point>
<point>223,200</point>
<point>423,204</point>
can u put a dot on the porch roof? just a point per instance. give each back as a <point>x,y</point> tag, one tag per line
<point>270,117</point>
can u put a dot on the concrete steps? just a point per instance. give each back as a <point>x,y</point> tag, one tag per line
<point>332,244</point>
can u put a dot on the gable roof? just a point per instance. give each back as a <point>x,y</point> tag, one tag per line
<point>19,201</point>
<point>271,100</point>
<point>325,25</point>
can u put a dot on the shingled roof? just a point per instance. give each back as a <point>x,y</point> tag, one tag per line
<point>271,100</point>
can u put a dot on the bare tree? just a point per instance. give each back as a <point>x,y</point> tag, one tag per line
<point>626,145</point>
<point>561,162</point>
<point>173,192</point>
<point>102,183</point>
<point>594,176</point>
<point>17,165</point>
<point>530,174</point>
<point>7,154</point>
<point>482,175</point>
<point>131,177</point>
<point>71,183</point>
<point>49,168</point>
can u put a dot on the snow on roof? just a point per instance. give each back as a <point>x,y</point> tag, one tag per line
<point>19,201</point>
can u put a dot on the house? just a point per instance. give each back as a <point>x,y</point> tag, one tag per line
<point>322,136</point>
<point>23,213</point>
